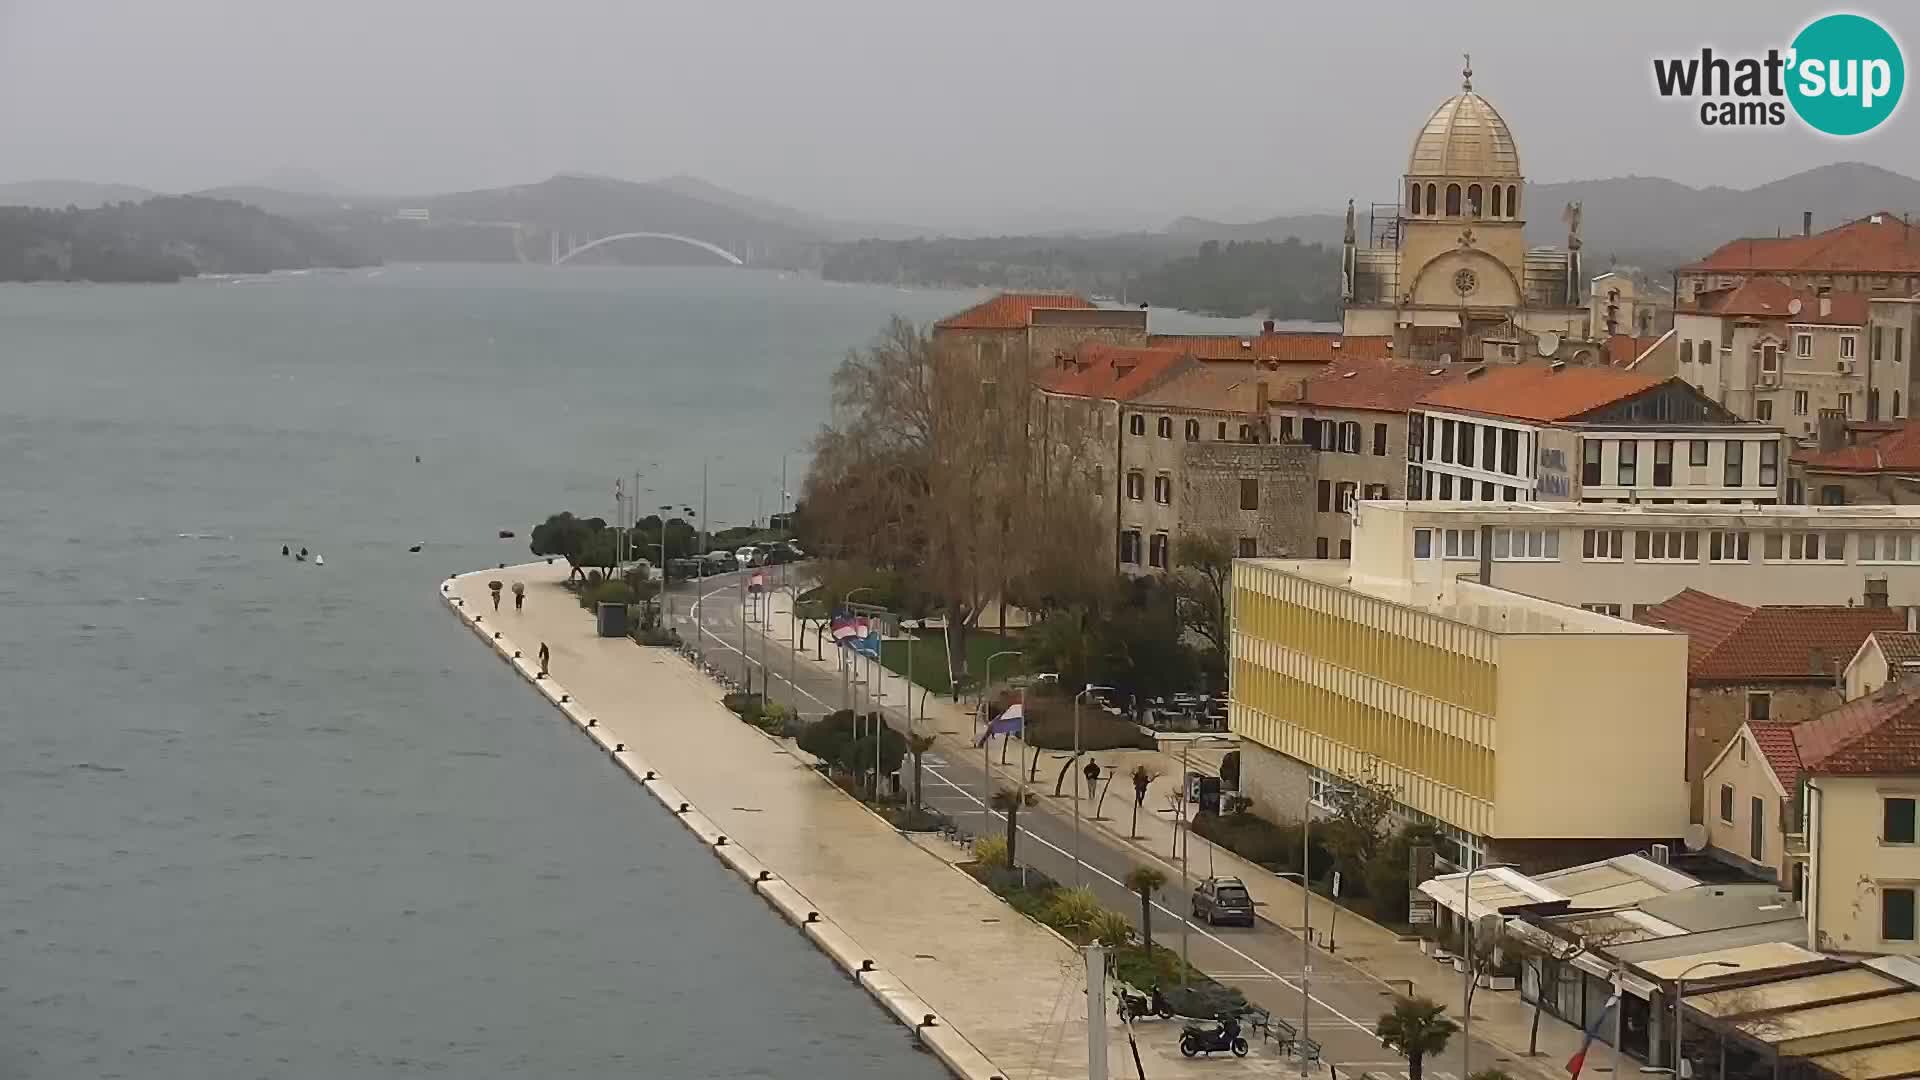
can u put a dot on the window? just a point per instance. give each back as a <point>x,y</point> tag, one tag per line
<point>1796,493</point>
<point>1343,496</point>
<point>1286,429</point>
<point>1446,440</point>
<point>1246,433</point>
<point>1698,454</point>
<point>1510,452</point>
<point>1759,707</point>
<point>1413,198</point>
<point>1249,493</point>
<point>1600,544</point>
<point>1799,403</point>
<point>1799,882</point>
<point>1833,495</point>
<point>1727,547</point>
<point>1769,358</point>
<point>1663,463</point>
<point>1249,547</point>
<point>1686,351</point>
<point>1896,405</point>
<point>1453,200</point>
<point>1319,547</point>
<point>1157,550</point>
<point>1902,547</point>
<point>1509,494</point>
<point>1460,543</point>
<point>1163,489</point>
<point>1489,447</point>
<point>1193,428</point>
<point>1446,485</point>
<point>1896,912</point>
<point>1846,346</point>
<point>1726,803</point>
<point>1326,496</point>
<point>1666,545</point>
<point>1346,549</point>
<point>1486,491</point>
<point>1498,191</point>
<point>1769,463</point>
<point>1130,546</point>
<point>1423,543</point>
<point>1137,424</point>
<point>1756,829</point>
<point>1603,609</point>
<point>1473,199</point>
<point>1466,443</point>
<point>1846,404</point>
<point>1379,440</point>
<point>1538,544</point>
<point>1350,437</point>
<point>1898,816</point>
<point>1803,345</point>
<point>1590,462</point>
<point>1763,409</point>
<point>1416,437</point>
<point>1628,470</point>
<point>1736,465</point>
<point>1222,436</point>
<point>1136,486</point>
<point>1513,201</point>
<point>1705,355</point>
<point>1376,491</point>
<point>1803,546</point>
<point>1165,427</point>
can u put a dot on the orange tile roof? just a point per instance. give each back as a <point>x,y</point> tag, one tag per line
<point>1543,393</point>
<point>1215,387</point>
<point>1731,642</point>
<point>1771,298</point>
<point>1898,451</point>
<point>1009,311</point>
<point>1286,348</point>
<point>1370,385</point>
<point>1112,372</point>
<point>1898,646</point>
<point>1879,243</point>
<point>1624,349</point>
<point>1873,736</point>
<point>1775,739</point>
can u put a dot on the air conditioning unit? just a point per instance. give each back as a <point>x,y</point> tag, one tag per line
<point>1661,854</point>
<point>1769,378</point>
<point>1845,366</point>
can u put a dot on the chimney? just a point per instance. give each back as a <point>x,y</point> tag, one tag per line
<point>1267,327</point>
<point>1806,223</point>
<point>1832,430</point>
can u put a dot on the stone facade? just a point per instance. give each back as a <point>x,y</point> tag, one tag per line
<point>1217,479</point>
<point>1715,713</point>
<point>1362,455</point>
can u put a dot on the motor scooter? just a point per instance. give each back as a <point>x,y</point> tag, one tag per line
<point>1197,1039</point>
<point>1135,1006</point>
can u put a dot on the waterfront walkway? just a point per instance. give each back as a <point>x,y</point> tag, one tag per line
<point>1012,989</point>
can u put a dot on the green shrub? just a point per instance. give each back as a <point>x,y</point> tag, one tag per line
<point>748,707</point>
<point>990,850</point>
<point>604,592</point>
<point>1111,929</point>
<point>1072,910</point>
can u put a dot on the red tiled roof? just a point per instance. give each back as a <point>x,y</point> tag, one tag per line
<point>1009,311</point>
<point>1898,451</point>
<point>1286,348</point>
<point>1771,298</point>
<point>1873,736</point>
<point>1543,393</point>
<point>1624,349</point>
<point>1730,642</point>
<point>1775,739</point>
<point>1215,387</point>
<point>1372,385</point>
<point>1898,646</point>
<point>1879,243</point>
<point>1115,372</point>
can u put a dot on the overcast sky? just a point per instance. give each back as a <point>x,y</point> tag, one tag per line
<point>983,113</point>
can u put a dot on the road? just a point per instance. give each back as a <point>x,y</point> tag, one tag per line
<point>1264,962</point>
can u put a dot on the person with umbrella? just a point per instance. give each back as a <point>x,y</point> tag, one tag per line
<point>494,588</point>
<point>519,595</point>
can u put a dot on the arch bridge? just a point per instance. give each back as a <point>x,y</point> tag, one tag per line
<point>560,258</point>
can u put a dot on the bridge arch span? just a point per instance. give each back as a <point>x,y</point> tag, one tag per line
<point>701,244</point>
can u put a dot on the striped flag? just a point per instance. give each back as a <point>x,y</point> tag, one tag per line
<point>842,628</point>
<point>758,582</point>
<point>1579,1059</point>
<point>1010,721</point>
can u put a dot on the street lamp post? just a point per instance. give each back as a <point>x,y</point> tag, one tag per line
<point>1466,989</point>
<point>986,741</point>
<point>665,600</point>
<point>1079,868</point>
<point>1679,1006</point>
<point>846,684</point>
<point>1182,833</point>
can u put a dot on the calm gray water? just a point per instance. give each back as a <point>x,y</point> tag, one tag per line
<point>265,819</point>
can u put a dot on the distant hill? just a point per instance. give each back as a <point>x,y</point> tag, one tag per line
<point>162,239</point>
<point>60,194</point>
<point>292,204</point>
<point>1645,221</point>
<point>694,187</point>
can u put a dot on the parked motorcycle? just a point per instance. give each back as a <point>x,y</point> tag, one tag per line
<point>1135,1006</point>
<point>1196,1039</point>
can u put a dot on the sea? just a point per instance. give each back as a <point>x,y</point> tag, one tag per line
<point>263,818</point>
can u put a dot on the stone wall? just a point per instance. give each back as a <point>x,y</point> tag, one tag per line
<point>1283,524</point>
<point>1714,715</point>
<point>1276,783</point>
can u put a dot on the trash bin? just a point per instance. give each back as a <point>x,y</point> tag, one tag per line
<point>613,620</point>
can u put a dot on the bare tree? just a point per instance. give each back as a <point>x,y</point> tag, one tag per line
<point>1202,578</point>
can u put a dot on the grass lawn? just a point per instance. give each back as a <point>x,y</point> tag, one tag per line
<point>930,658</point>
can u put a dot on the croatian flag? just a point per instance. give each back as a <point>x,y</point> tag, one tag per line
<point>757,583</point>
<point>843,628</point>
<point>1010,722</point>
<point>1579,1059</point>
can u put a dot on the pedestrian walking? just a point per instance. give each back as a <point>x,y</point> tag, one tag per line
<point>496,599</point>
<point>544,657</point>
<point>519,595</point>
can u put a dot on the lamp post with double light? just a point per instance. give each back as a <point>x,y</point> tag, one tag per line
<point>986,741</point>
<point>1079,868</point>
<point>1680,1069</point>
<point>1466,989</point>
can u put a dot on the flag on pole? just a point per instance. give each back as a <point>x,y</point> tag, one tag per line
<point>758,582</point>
<point>842,628</point>
<point>1579,1059</point>
<point>1008,722</point>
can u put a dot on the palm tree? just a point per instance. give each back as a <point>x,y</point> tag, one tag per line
<point>918,745</point>
<point>1009,802</point>
<point>1417,1029</point>
<point>1146,880</point>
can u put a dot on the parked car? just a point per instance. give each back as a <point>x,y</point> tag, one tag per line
<point>1223,900</point>
<point>745,555</point>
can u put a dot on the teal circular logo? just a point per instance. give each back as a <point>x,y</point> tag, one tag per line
<point>1846,74</point>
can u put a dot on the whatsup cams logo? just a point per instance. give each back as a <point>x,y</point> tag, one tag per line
<point>1842,75</point>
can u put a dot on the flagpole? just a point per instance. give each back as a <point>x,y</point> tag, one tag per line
<point>1619,1013</point>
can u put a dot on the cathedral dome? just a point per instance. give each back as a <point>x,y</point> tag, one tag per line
<point>1465,136</point>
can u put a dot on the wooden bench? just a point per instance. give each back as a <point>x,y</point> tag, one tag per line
<point>1308,1050</point>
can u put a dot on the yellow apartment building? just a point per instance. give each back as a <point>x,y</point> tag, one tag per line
<point>1527,731</point>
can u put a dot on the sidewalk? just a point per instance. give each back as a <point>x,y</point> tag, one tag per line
<point>1499,1017</point>
<point>1013,990</point>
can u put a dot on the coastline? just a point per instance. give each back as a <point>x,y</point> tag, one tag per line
<point>931,1029</point>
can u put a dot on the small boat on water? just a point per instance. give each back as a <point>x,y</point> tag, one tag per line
<point>319,561</point>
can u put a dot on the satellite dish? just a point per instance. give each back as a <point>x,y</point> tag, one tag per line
<point>1547,342</point>
<point>1695,838</point>
<point>1793,306</point>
